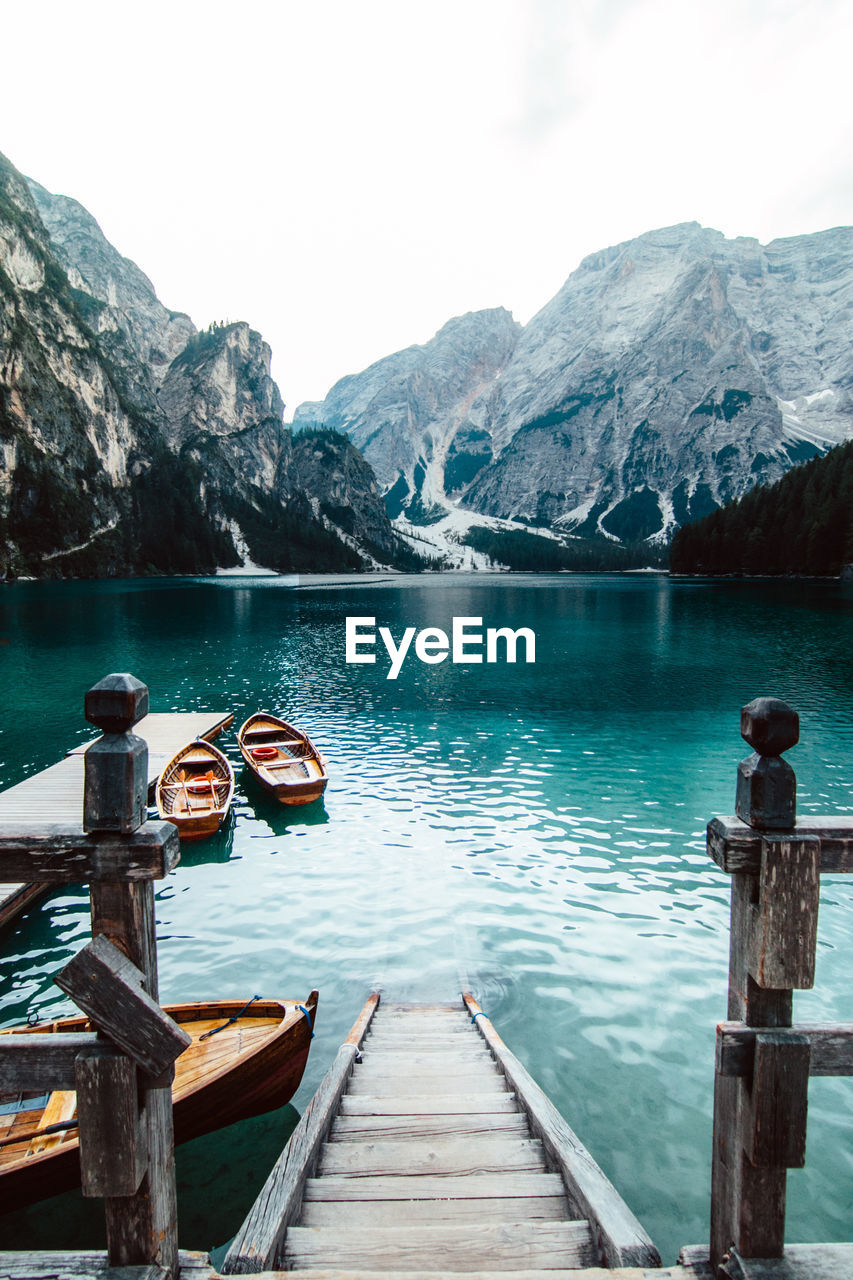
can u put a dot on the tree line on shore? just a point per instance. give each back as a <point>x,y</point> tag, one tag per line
<point>802,524</point>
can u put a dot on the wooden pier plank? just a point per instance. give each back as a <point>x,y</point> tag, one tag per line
<point>399,1213</point>
<point>508,1246</point>
<point>79,1264</point>
<point>15,898</point>
<point>490,1154</point>
<point>54,796</point>
<point>379,1083</point>
<point>418,1127</point>
<point>487,1186</point>
<point>429,1104</point>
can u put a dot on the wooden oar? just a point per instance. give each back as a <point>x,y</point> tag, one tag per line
<point>38,1133</point>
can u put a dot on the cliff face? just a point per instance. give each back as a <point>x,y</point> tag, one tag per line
<point>71,442</point>
<point>132,443</point>
<point>410,414</point>
<point>668,375</point>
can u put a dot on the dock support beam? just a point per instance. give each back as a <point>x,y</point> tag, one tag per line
<point>119,855</point>
<point>760,1108</point>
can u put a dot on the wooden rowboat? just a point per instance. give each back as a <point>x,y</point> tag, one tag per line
<point>195,790</point>
<point>252,1063</point>
<point>283,759</point>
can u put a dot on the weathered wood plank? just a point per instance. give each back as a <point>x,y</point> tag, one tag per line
<point>402,1213</point>
<point>620,1237</point>
<point>783,933</point>
<point>42,1061</point>
<point>113,1147</point>
<point>800,1262</point>
<point>256,1245</point>
<point>376,1062</point>
<point>486,1155</point>
<point>15,898</point>
<point>777,1105</point>
<point>379,1083</point>
<point>142,1226</point>
<point>64,855</point>
<point>71,1266</point>
<point>831,1047</point>
<point>528,1273</point>
<point>747,1202</point>
<point>391,1010</point>
<point>363,1128</point>
<point>431,1104</point>
<point>78,1264</point>
<point>429,1053</point>
<point>449,1248</point>
<point>486,1186</point>
<point>108,987</point>
<point>736,847</point>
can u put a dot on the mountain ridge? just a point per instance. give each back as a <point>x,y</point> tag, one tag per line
<point>132,443</point>
<point>669,373</point>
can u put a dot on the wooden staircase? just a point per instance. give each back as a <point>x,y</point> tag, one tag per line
<point>428,1147</point>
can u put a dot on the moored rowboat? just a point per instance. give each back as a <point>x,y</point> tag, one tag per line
<point>251,1063</point>
<point>195,790</point>
<point>282,758</point>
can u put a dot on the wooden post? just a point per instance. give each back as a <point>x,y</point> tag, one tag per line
<point>141,1227</point>
<point>760,1119</point>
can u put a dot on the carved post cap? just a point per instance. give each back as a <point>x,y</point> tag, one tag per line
<point>766,796</point>
<point>115,783</point>
<point>117,702</point>
<point>770,726</point>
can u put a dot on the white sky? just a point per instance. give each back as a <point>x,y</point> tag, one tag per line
<point>347,175</point>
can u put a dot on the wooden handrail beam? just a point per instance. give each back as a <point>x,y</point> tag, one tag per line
<point>42,1061</point>
<point>68,855</point>
<point>831,1045</point>
<point>735,847</point>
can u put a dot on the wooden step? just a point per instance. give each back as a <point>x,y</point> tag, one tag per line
<point>493,1154</point>
<point>407,1104</point>
<point>386,1213</point>
<point>503,1246</point>
<point>489,1186</point>
<point>464,1043</point>
<point>418,1127</point>
<point>377,1083</point>
<point>412,1061</point>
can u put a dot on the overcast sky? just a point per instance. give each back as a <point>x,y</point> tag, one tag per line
<point>346,175</point>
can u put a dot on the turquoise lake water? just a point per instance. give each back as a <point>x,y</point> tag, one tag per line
<point>535,832</point>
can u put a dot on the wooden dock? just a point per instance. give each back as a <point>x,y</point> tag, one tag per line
<point>55,795</point>
<point>429,1147</point>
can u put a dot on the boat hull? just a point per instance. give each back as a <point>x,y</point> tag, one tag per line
<point>195,790</point>
<point>283,759</point>
<point>237,1082</point>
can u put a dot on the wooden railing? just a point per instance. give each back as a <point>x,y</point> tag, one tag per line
<point>123,1071</point>
<point>763,1058</point>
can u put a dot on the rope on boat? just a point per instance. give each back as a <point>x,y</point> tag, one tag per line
<point>307,1012</point>
<point>207,1034</point>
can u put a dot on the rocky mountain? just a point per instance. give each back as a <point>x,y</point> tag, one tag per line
<point>409,414</point>
<point>132,443</point>
<point>668,375</point>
